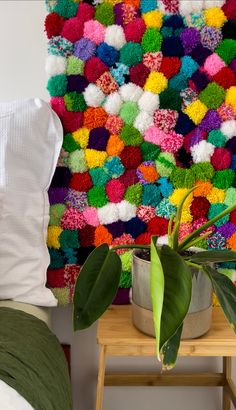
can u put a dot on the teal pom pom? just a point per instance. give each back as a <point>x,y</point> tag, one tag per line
<point>113,167</point>
<point>216,209</point>
<point>165,208</point>
<point>57,85</point>
<point>131,54</point>
<point>99,176</point>
<point>66,8</point>
<point>70,255</point>
<point>165,186</point>
<point>178,82</point>
<point>56,259</point>
<point>151,195</point>
<point>69,238</point>
<point>217,138</point>
<point>148,5</point>
<point>189,66</point>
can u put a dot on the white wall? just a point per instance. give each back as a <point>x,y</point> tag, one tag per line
<point>22,56</point>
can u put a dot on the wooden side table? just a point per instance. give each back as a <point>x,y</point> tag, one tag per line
<point>117,336</point>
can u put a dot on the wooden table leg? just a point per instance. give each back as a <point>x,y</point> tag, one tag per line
<point>227,369</point>
<point>101,375</point>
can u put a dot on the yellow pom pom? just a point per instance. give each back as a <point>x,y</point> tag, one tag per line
<point>156,82</point>
<point>95,158</point>
<point>178,194</point>
<point>153,19</point>
<point>215,17</point>
<point>53,236</point>
<point>216,195</point>
<point>186,214</point>
<point>81,136</point>
<point>231,97</point>
<point>196,111</point>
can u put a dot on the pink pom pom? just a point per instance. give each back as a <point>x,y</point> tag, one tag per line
<point>213,64</point>
<point>125,239</point>
<point>146,213</point>
<point>85,12</point>
<point>134,30</point>
<point>172,142</point>
<point>94,31</point>
<point>221,159</point>
<point>73,29</point>
<point>154,135</point>
<point>115,190</point>
<point>72,219</point>
<point>58,105</point>
<point>184,230</point>
<point>90,215</point>
<point>114,124</point>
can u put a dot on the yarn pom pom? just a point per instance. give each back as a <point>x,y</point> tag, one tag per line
<point>57,85</point>
<point>115,37</point>
<point>152,40</point>
<point>134,30</point>
<point>53,24</point>
<point>221,159</point>
<point>72,29</point>
<point>131,54</point>
<point>105,14</point>
<point>229,9</point>
<point>94,68</point>
<point>94,31</point>
<point>66,8</point>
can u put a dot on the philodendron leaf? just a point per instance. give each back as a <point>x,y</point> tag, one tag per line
<point>170,350</point>
<point>157,290</point>
<point>213,256</point>
<point>177,292</point>
<point>96,286</point>
<point>226,293</point>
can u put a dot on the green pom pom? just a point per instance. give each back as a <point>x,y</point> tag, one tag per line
<point>165,164</point>
<point>75,102</point>
<point>66,8</point>
<point>105,14</point>
<point>56,213</point>
<point>216,209</point>
<point>223,179</point>
<point>152,40</point>
<point>169,98</point>
<point>212,96</point>
<point>227,50</point>
<point>129,112</point>
<point>57,85</point>
<point>56,259</point>
<point>203,171</point>
<point>62,295</point>
<point>133,194</point>
<point>77,162</point>
<point>69,144</point>
<point>202,244</point>
<point>182,178</point>
<point>130,135</point>
<point>126,261</point>
<point>74,66</point>
<point>215,137</point>
<point>99,176</point>
<point>97,197</point>
<point>131,54</point>
<point>149,151</point>
<point>69,239</point>
<point>230,197</point>
<point>125,280</point>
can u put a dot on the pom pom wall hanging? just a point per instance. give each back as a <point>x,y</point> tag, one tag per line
<point>146,92</point>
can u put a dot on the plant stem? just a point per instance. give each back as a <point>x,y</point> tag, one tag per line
<point>194,265</point>
<point>131,246</point>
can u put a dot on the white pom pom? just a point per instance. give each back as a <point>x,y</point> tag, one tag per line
<point>149,102</point>
<point>197,5</point>
<point>202,151</point>
<point>108,214</point>
<point>208,4</point>
<point>126,210</point>
<point>130,92</point>
<point>228,128</point>
<point>115,37</point>
<point>55,65</point>
<point>93,96</point>
<point>162,240</point>
<point>143,121</point>
<point>113,104</point>
<point>185,7</point>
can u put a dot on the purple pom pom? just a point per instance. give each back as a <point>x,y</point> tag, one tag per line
<point>190,39</point>
<point>76,83</point>
<point>211,121</point>
<point>98,138</point>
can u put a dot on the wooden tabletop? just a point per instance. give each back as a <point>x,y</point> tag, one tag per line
<point>121,338</point>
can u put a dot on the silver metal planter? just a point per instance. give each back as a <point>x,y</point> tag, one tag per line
<point>198,319</point>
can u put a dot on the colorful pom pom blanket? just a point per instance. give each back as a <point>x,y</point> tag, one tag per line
<point>146,92</point>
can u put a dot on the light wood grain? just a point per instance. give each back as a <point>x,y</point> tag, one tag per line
<point>116,331</point>
<point>101,375</point>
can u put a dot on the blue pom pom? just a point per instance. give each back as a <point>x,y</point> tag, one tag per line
<point>148,5</point>
<point>233,163</point>
<point>166,188</point>
<point>135,227</point>
<point>174,21</point>
<point>184,124</point>
<point>108,54</point>
<point>172,47</point>
<point>189,66</point>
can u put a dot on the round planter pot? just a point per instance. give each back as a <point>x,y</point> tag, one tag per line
<point>199,317</point>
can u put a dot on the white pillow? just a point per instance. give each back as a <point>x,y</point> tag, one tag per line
<point>30,141</point>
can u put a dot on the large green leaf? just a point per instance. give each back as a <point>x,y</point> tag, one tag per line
<point>213,256</point>
<point>177,292</point>
<point>96,286</point>
<point>226,293</point>
<point>170,350</point>
<point>157,291</point>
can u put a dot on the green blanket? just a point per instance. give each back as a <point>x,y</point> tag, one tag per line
<point>32,361</point>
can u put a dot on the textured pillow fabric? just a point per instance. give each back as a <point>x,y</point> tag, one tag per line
<point>30,142</point>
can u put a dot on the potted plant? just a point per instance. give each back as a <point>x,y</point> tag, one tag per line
<point>170,276</point>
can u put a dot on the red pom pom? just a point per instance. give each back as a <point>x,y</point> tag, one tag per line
<point>129,178</point>
<point>225,78</point>
<point>85,12</point>
<point>81,182</point>
<point>73,29</point>
<point>53,24</point>
<point>232,217</point>
<point>170,66</point>
<point>86,236</point>
<point>199,207</point>
<point>131,157</point>
<point>58,105</point>
<point>158,226</point>
<point>72,121</point>
<point>144,239</point>
<point>94,68</point>
<point>229,9</point>
<point>221,159</point>
<point>55,278</point>
<point>135,30</point>
<point>138,74</point>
